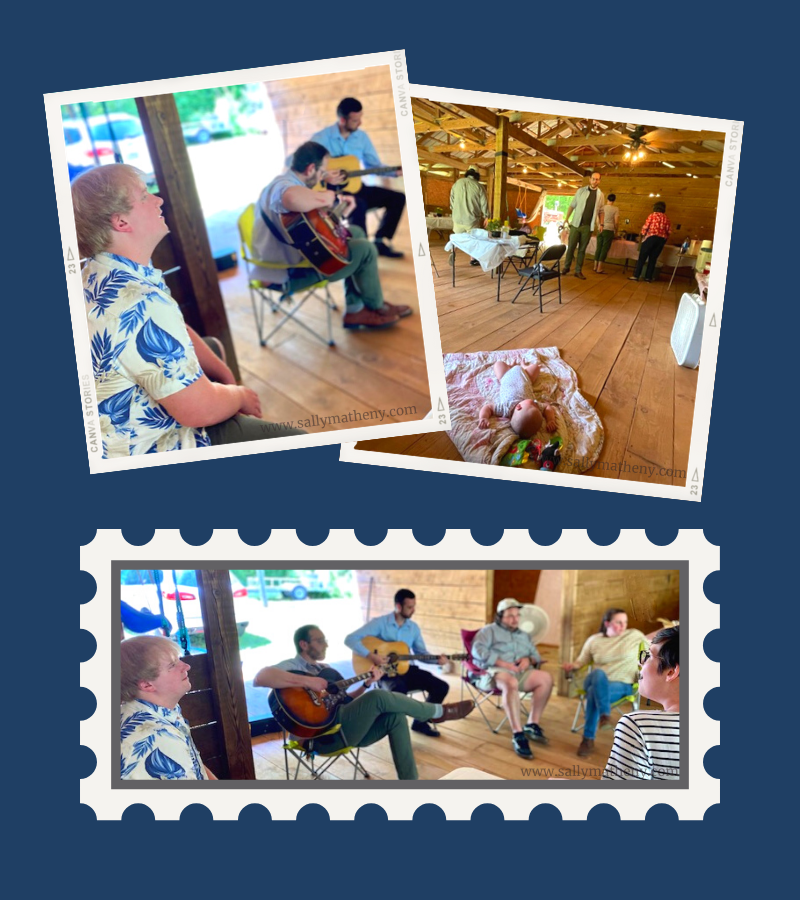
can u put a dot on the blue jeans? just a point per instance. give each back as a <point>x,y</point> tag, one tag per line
<point>600,694</point>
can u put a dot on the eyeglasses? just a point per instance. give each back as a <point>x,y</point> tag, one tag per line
<point>644,655</point>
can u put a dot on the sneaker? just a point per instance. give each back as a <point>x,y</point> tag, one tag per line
<point>386,250</point>
<point>474,262</point>
<point>565,272</point>
<point>368,318</point>
<point>425,728</point>
<point>605,722</point>
<point>580,275</point>
<point>392,309</point>
<point>632,278</point>
<point>535,733</point>
<point>521,747</point>
<point>452,711</point>
<point>587,747</point>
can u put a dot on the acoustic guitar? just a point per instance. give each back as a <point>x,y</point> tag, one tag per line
<point>398,656</point>
<point>307,713</point>
<point>321,236</point>
<point>350,166</point>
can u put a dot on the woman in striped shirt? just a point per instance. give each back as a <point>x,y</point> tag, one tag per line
<point>647,742</point>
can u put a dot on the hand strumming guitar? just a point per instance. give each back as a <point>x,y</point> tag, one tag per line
<point>377,659</point>
<point>315,683</point>
<point>333,176</point>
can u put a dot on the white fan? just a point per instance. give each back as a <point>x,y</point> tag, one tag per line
<point>533,620</point>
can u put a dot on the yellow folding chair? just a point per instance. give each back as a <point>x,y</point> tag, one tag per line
<point>580,693</point>
<point>275,297</point>
<point>305,754</point>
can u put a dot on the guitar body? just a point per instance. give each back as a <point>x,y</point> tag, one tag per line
<point>320,237</point>
<point>305,713</point>
<point>386,648</point>
<point>394,650</point>
<point>352,167</point>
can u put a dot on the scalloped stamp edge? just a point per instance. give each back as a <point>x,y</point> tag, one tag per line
<point>226,800</point>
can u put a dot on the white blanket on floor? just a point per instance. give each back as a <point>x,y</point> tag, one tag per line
<point>471,382</point>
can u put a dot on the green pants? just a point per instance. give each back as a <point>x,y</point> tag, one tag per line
<point>579,235</point>
<point>604,240</point>
<point>376,715</point>
<point>362,285</point>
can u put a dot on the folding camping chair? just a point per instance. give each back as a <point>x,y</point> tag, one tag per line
<point>278,298</point>
<point>580,693</point>
<point>470,674</point>
<point>305,754</point>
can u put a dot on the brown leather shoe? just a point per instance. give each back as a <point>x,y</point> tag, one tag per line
<point>452,711</point>
<point>605,722</point>
<point>392,309</point>
<point>587,747</point>
<point>369,318</point>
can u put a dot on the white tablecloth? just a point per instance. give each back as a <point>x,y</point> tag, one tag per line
<point>630,250</point>
<point>439,223</point>
<point>489,251</point>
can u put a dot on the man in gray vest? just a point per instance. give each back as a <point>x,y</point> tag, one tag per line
<point>587,205</point>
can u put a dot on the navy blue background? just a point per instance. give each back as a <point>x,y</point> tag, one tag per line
<point>686,59</point>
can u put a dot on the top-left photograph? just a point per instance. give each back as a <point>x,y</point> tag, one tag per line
<point>239,252</point>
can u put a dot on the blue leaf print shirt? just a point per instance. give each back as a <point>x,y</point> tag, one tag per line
<point>141,354</point>
<point>157,744</point>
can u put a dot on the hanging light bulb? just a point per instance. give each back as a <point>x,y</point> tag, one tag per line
<point>462,145</point>
<point>525,170</point>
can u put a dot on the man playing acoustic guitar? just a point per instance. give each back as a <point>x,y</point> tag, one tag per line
<point>292,192</point>
<point>397,626</point>
<point>364,718</point>
<point>343,138</point>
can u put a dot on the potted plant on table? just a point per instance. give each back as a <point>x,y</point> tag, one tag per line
<point>493,227</point>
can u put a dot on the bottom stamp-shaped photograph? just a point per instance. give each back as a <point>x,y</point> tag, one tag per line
<point>346,680</point>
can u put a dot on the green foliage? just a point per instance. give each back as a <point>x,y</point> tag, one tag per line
<point>557,203</point>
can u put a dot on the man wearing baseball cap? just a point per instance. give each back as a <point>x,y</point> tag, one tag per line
<point>511,662</point>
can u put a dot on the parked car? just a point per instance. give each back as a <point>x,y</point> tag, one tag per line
<point>202,130</point>
<point>290,588</point>
<point>139,591</point>
<point>91,142</point>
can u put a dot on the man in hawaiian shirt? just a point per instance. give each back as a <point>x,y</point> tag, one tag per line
<point>156,742</point>
<point>160,387</point>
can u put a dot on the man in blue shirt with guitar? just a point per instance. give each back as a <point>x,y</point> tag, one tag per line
<point>344,139</point>
<point>367,644</point>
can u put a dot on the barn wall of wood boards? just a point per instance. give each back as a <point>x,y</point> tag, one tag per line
<point>447,600</point>
<point>644,594</point>
<point>305,105</point>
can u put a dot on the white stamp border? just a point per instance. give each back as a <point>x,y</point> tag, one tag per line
<point>396,61</point>
<point>693,489</point>
<point>400,545</point>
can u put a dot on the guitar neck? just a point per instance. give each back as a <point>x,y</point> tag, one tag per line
<point>376,170</point>
<point>346,682</point>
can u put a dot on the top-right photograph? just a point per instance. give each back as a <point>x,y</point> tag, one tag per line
<point>572,257</point>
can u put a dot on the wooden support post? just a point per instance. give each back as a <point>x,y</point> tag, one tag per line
<point>499,200</point>
<point>225,671</point>
<point>569,587</point>
<point>196,286</point>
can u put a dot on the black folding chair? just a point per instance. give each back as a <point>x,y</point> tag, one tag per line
<point>548,267</point>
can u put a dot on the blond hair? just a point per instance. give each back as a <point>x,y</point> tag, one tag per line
<point>97,195</point>
<point>140,659</point>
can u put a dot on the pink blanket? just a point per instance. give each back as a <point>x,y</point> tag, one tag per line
<point>471,382</point>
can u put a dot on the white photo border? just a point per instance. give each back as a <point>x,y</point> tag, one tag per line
<point>226,800</point>
<point>693,489</point>
<point>395,60</point>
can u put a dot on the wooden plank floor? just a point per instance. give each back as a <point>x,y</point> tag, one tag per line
<point>297,376</point>
<point>615,334</point>
<point>467,743</point>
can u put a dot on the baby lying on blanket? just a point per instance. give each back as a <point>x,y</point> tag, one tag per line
<point>517,401</point>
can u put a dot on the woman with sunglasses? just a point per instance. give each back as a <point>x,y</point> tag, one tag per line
<point>613,654</point>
